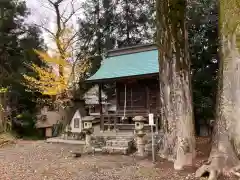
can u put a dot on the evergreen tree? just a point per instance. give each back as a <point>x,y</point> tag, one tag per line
<point>203,47</point>
<point>16,50</point>
<point>111,24</point>
<point>135,22</point>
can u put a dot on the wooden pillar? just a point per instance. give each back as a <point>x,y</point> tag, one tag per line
<point>148,106</point>
<point>115,123</point>
<point>117,107</point>
<point>156,123</point>
<point>109,118</point>
<point>100,105</point>
<point>117,97</point>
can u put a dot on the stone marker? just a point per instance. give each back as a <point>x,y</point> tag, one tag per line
<point>139,129</point>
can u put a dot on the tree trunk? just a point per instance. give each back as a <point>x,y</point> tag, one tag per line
<point>178,143</point>
<point>3,122</point>
<point>127,22</point>
<point>107,17</point>
<point>224,156</point>
<point>98,27</point>
<point>1,113</point>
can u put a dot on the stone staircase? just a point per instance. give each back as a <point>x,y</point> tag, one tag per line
<point>119,145</point>
<point>123,144</point>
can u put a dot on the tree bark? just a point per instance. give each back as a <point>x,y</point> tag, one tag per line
<point>224,156</point>
<point>107,16</point>
<point>3,122</point>
<point>127,21</point>
<point>178,143</point>
<point>59,34</point>
<point>98,27</point>
<point>1,113</point>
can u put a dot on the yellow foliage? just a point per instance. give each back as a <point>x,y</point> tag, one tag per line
<point>49,82</point>
<point>3,90</point>
<point>61,61</point>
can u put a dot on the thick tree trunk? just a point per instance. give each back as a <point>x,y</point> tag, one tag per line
<point>3,122</point>
<point>224,156</point>
<point>1,113</point>
<point>178,143</point>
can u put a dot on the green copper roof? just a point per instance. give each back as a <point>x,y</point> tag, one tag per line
<point>140,63</point>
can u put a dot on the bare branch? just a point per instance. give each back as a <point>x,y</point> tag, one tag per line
<point>73,12</point>
<point>57,11</point>
<point>70,41</point>
<point>46,29</point>
<point>49,8</point>
<point>56,3</point>
<point>64,10</point>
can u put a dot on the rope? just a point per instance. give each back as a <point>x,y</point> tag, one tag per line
<point>125,103</point>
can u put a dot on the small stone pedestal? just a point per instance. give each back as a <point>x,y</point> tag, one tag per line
<point>67,132</point>
<point>139,129</point>
<point>88,130</point>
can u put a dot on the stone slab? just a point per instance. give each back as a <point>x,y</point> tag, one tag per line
<point>119,143</point>
<point>116,150</point>
<point>66,141</point>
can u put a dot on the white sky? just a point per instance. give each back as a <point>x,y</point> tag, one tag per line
<point>42,14</point>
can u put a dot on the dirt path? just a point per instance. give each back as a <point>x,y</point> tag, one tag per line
<point>37,160</point>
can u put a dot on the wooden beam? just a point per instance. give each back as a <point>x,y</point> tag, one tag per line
<point>123,79</point>
<point>100,105</point>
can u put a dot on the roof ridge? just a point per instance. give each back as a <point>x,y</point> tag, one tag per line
<point>131,50</point>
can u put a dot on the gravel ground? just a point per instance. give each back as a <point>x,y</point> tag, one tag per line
<point>37,160</point>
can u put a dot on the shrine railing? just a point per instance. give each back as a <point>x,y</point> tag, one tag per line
<point>115,121</point>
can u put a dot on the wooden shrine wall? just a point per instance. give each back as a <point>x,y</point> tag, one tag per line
<point>140,94</point>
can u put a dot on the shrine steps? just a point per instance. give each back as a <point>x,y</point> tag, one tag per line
<point>115,144</point>
<point>120,145</point>
<point>124,143</point>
